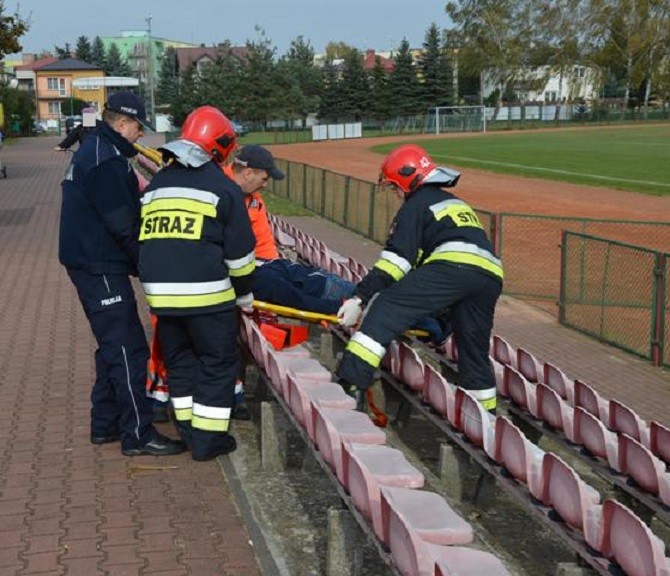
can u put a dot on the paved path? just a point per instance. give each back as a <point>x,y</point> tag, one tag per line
<point>68,508</point>
<point>615,374</point>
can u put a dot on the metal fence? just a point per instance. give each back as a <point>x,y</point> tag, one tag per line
<point>616,292</point>
<point>529,246</point>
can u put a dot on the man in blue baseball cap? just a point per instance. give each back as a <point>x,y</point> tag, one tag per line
<point>98,246</point>
<point>130,105</point>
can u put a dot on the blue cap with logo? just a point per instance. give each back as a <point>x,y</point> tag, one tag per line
<point>130,105</point>
<point>255,156</point>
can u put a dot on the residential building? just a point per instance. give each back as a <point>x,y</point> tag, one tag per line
<point>54,84</point>
<point>143,53</point>
<point>25,72</point>
<point>201,56</point>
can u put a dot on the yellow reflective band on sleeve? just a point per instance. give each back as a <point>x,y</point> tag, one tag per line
<point>183,414</point>
<point>391,269</point>
<point>190,300</point>
<point>209,424</point>
<point>242,266</point>
<point>364,353</point>
<point>466,258</point>
<point>184,204</point>
<point>489,404</point>
<point>172,224</point>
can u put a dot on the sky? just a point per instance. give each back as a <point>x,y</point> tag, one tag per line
<point>377,24</point>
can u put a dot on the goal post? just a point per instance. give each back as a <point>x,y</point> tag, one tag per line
<point>443,119</point>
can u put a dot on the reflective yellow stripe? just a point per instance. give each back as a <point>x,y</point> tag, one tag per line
<point>465,258</point>
<point>461,215</point>
<point>209,424</point>
<point>364,354</point>
<point>489,404</point>
<point>204,208</point>
<point>244,271</point>
<point>183,414</point>
<point>391,269</point>
<point>190,301</point>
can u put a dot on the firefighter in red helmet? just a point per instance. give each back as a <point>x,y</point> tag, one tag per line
<point>437,260</point>
<point>195,265</point>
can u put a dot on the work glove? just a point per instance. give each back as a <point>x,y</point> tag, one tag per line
<point>350,312</point>
<point>245,303</point>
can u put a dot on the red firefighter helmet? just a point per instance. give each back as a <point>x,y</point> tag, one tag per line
<point>406,167</point>
<point>210,129</point>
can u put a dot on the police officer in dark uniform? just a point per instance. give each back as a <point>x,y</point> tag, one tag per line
<point>196,264</point>
<point>437,260</point>
<point>98,246</point>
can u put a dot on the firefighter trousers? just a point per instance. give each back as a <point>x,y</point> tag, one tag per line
<point>119,405</point>
<point>430,290</point>
<point>202,361</point>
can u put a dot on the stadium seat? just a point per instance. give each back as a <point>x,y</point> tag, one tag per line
<point>522,392</point>
<point>558,381</point>
<point>623,538</point>
<point>428,515</point>
<point>637,462</point>
<point>625,421</point>
<point>503,352</point>
<point>555,411</point>
<point>332,426</point>
<point>278,367</point>
<point>476,423</point>
<point>564,491</point>
<point>586,397</point>
<point>304,391</point>
<point>437,392</point>
<point>528,366</point>
<point>595,437</point>
<point>366,467</point>
<point>411,368</point>
<point>284,240</point>
<point>520,457</point>
<point>659,441</point>
<point>461,561</point>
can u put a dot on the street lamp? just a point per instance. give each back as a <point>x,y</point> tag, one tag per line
<point>151,73</point>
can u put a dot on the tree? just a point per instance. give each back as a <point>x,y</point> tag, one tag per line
<point>380,92</point>
<point>331,105</point>
<point>168,79</point>
<point>495,36</point>
<point>306,79</point>
<point>98,55</point>
<point>84,51</point>
<point>354,87</point>
<point>12,27</point>
<point>259,79</point>
<point>72,107</point>
<point>405,90</point>
<point>435,70</point>
<point>337,50</point>
<point>115,65</point>
<point>63,52</point>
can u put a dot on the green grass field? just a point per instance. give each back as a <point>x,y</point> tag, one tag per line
<point>635,159</point>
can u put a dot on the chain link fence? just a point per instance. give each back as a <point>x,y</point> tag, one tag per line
<point>615,292</point>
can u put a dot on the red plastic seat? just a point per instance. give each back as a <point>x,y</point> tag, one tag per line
<point>369,466</point>
<point>596,437</point>
<point>637,461</point>
<point>332,426</point>
<point>461,561</point>
<point>520,457</point>
<point>476,423</point>
<point>411,368</point>
<point>626,540</point>
<point>587,398</point>
<point>528,366</point>
<point>503,352</point>
<point>437,391</point>
<point>625,421</point>
<point>565,492</point>
<point>555,411</point>
<point>659,441</point>
<point>522,392</point>
<point>559,382</point>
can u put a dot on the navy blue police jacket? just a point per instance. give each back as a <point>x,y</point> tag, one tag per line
<point>100,211</point>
